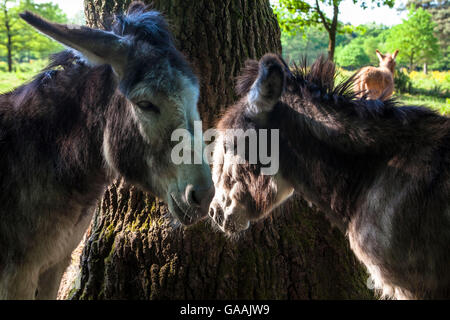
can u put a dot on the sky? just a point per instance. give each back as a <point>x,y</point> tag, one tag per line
<point>70,7</point>
<point>354,14</point>
<point>349,12</point>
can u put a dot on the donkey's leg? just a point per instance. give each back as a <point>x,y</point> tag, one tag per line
<point>370,92</point>
<point>359,88</point>
<point>19,283</point>
<point>50,279</point>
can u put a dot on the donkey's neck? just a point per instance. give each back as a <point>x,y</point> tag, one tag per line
<point>331,153</point>
<point>61,117</point>
<point>387,69</point>
<point>358,126</point>
<point>325,176</point>
<point>84,141</point>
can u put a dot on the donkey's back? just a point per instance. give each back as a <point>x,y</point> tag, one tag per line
<point>401,225</point>
<point>375,82</point>
<point>46,188</point>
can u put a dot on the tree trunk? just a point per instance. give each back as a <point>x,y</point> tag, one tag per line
<point>9,50</point>
<point>425,68</point>
<point>411,62</point>
<point>133,252</point>
<point>331,44</point>
<point>330,27</point>
<point>332,33</point>
<point>9,39</point>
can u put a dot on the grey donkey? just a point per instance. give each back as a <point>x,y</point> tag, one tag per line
<point>104,108</point>
<point>380,172</point>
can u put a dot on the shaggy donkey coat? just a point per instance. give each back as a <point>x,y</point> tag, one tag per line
<point>380,172</point>
<point>76,126</point>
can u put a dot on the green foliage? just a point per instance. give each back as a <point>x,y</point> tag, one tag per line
<point>353,55</point>
<point>431,90</point>
<point>27,43</point>
<point>295,15</point>
<point>359,51</point>
<point>415,39</point>
<point>313,41</point>
<point>440,13</point>
<point>311,44</point>
<point>369,45</point>
<point>375,38</point>
<point>402,82</point>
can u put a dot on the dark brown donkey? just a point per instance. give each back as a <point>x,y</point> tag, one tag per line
<point>107,108</point>
<point>380,172</point>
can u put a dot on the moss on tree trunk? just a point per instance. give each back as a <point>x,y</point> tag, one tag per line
<point>134,253</point>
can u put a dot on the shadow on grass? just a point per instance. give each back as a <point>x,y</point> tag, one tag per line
<point>437,91</point>
<point>436,102</point>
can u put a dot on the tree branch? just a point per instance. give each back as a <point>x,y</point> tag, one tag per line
<point>335,15</point>
<point>322,16</point>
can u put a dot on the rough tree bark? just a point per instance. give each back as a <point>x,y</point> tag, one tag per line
<point>134,253</point>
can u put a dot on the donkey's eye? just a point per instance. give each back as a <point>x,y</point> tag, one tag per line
<point>147,106</point>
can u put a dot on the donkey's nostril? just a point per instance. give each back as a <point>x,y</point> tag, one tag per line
<point>200,197</point>
<point>191,199</point>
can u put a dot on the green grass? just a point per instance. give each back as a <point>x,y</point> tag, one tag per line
<point>22,73</point>
<point>9,81</point>
<point>433,81</point>
<point>430,90</point>
<point>439,103</point>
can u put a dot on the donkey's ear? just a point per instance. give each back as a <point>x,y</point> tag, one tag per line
<point>97,46</point>
<point>269,85</point>
<point>379,55</point>
<point>137,7</point>
<point>394,55</point>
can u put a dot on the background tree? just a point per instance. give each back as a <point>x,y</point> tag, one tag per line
<point>294,15</point>
<point>415,39</point>
<point>18,40</point>
<point>8,19</point>
<point>312,42</point>
<point>440,14</point>
<point>353,55</point>
<point>359,51</point>
<point>133,252</point>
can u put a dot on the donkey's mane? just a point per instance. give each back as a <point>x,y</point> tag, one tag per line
<point>317,83</point>
<point>144,23</point>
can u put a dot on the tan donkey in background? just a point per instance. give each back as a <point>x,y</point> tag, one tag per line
<point>377,83</point>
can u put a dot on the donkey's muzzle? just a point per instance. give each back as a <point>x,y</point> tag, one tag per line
<point>193,205</point>
<point>199,198</point>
